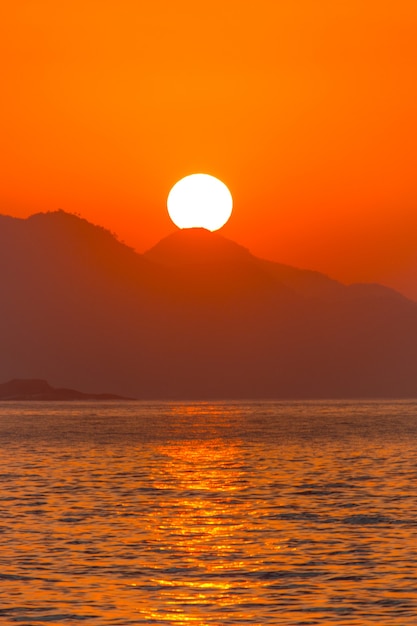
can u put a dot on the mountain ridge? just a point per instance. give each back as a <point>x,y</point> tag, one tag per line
<point>196,316</point>
<point>40,390</point>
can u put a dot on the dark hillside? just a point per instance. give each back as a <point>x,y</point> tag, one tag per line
<point>197,316</point>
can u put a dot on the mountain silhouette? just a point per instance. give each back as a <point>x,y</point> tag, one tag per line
<point>41,390</point>
<point>197,316</point>
<point>202,265</point>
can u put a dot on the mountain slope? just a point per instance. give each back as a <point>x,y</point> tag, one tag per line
<point>40,390</point>
<point>197,316</point>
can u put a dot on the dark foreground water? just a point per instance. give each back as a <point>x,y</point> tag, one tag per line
<point>227,513</point>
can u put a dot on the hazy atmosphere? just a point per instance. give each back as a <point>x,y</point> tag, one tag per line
<point>208,313</point>
<point>306,110</point>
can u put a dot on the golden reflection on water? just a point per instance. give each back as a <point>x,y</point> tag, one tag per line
<point>197,525</point>
<point>205,475</point>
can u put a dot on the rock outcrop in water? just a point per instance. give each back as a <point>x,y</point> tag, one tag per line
<point>197,316</point>
<point>41,390</point>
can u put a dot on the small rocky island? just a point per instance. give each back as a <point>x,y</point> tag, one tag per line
<point>33,389</point>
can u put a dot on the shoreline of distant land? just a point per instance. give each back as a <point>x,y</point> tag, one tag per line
<point>35,389</point>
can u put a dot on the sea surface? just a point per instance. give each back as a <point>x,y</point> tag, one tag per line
<point>294,513</point>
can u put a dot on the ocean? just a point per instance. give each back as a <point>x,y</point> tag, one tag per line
<point>122,513</point>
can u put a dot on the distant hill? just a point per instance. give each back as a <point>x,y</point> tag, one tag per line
<point>197,316</point>
<point>40,390</point>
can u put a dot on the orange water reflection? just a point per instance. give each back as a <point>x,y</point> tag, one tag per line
<point>190,524</point>
<point>199,527</point>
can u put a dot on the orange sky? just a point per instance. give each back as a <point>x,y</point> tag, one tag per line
<point>306,109</point>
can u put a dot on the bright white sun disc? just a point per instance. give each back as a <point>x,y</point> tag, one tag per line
<point>200,201</point>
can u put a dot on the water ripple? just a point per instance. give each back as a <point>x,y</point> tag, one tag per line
<point>210,515</point>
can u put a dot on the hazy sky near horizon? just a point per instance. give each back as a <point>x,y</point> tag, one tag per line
<point>306,109</point>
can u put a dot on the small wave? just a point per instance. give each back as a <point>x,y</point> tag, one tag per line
<point>367,520</point>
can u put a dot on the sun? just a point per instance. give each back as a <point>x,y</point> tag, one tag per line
<point>200,201</point>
